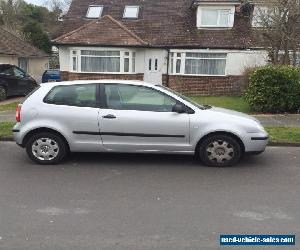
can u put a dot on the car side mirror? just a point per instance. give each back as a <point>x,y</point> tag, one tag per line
<point>179,108</point>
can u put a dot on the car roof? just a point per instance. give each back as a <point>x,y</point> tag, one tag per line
<point>80,82</point>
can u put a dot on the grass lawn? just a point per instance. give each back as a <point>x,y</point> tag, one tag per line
<point>8,107</point>
<point>283,134</point>
<point>236,103</point>
<point>6,129</point>
<point>280,134</point>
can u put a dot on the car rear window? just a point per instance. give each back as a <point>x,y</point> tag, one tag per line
<point>53,72</point>
<point>73,95</point>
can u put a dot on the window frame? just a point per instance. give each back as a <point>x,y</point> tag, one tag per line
<point>98,95</point>
<point>123,56</point>
<point>132,6</point>
<point>183,57</point>
<point>94,6</point>
<point>219,9</point>
<point>104,98</point>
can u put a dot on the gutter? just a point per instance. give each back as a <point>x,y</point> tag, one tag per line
<point>149,46</point>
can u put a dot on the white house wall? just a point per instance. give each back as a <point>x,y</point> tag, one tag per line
<point>237,62</point>
<point>37,66</point>
<point>9,60</point>
<point>64,58</point>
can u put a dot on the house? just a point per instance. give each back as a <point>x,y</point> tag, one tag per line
<point>196,47</point>
<point>13,50</point>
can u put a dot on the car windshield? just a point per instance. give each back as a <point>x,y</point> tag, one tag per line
<point>200,106</point>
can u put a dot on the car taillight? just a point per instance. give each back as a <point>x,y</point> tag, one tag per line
<point>18,113</point>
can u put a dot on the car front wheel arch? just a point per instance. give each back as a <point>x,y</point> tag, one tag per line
<point>238,139</point>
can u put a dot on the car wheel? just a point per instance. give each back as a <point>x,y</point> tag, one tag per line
<point>220,151</point>
<point>3,94</point>
<point>46,148</point>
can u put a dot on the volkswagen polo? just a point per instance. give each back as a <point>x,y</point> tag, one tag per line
<point>133,117</point>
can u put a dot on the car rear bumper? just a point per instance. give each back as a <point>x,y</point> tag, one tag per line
<point>17,135</point>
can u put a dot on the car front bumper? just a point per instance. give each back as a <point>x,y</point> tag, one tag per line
<point>256,142</point>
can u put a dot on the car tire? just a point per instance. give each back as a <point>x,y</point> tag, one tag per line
<point>220,151</point>
<point>3,93</point>
<point>46,148</point>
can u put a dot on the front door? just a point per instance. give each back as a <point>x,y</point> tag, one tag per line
<point>138,118</point>
<point>153,66</point>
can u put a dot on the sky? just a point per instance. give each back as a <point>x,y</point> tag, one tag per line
<point>36,2</point>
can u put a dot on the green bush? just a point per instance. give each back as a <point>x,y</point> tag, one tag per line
<point>274,89</point>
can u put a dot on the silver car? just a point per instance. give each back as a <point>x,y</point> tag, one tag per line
<point>133,117</point>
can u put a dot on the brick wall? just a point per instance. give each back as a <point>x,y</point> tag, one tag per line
<point>187,85</point>
<point>207,85</point>
<point>70,76</point>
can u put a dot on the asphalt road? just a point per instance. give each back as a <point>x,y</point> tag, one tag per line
<point>108,201</point>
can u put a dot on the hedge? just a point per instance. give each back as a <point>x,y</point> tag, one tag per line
<point>274,89</point>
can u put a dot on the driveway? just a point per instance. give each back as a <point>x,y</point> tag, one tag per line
<point>104,201</point>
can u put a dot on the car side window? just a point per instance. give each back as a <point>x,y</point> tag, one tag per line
<point>73,95</point>
<point>7,70</point>
<point>130,97</point>
<point>18,72</point>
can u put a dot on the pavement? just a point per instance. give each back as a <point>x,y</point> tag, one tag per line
<point>11,100</point>
<point>141,202</point>
<point>280,120</point>
<point>8,116</point>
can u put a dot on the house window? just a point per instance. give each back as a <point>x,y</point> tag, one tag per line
<point>133,61</point>
<point>94,11</point>
<point>205,64</point>
<point>176,63</point>
<point>74,60</point>
<point>131,12</point>
<point>196,63</point>
<point>215,17</point>
<point>23,63</point>
<point>102,61</point>
<point>126,61</point>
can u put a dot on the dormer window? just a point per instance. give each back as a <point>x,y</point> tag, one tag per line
<point>215,16</point>
<point>94,11</point>
<point>131,11</point>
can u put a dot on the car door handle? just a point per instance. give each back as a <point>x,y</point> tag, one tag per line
<point>109,117</point>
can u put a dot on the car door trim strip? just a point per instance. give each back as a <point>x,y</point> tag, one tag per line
<point>127,134</point>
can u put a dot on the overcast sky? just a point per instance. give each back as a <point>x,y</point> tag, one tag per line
<point>37,2</point>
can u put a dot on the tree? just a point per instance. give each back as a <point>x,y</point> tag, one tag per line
<point>9,11</point>
<point>280,29</point>
<point>34,23</point>
<point>34,33</point>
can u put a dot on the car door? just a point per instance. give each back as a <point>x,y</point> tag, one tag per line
<point>24,82</point>
<point>8,79</point>
<point>138,118</point>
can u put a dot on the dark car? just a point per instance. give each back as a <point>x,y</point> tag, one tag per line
<point>14,81</point>
<point>51,75</point>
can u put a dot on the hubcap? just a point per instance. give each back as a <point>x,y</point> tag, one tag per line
<point>45,149</point>
<point>220,151</point>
